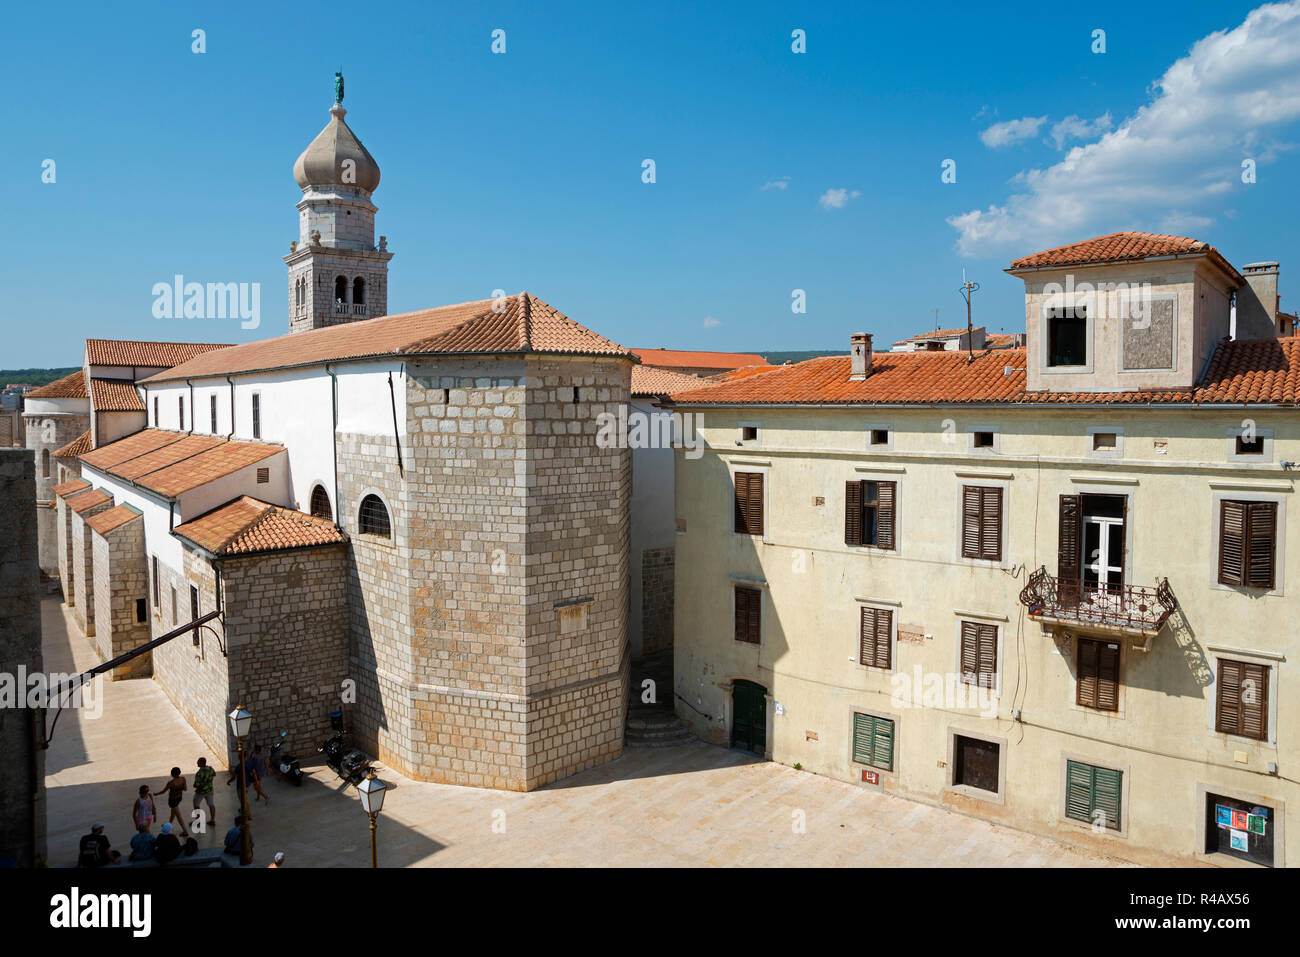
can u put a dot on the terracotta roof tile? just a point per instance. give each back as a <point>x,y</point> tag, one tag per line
<point>154,355</point>
<point>247,526</point>
<point>88,500</point>
<point>648,380</point>
<point>520,323</point>
<point>215,463</point>
<point>78,446</point>
<point>69,387</point>
<point>1123,247</point>
<point>115,453</point>
<point>112,518</point>
<point>1256,371</point>
<point>70,487</point>
<point>686,359</point>
<point>937,334</point>
<point>744,372</point>
<point>169,454</point>
<point>115,395</point>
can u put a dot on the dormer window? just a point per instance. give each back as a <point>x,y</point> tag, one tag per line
<point>1067,336</point>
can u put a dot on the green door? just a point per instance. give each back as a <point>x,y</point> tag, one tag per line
<point>749,716</point>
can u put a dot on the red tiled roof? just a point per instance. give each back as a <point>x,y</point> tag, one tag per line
<point>215,463</point>
<point>111,518</point>
<point>153,355</point>
<point>247,526</point>
<point>937,334</point>
<point>79,503</point>
<point>686,359</point>
<point>744,372</point>
<point>78,446</point>
<point>1124,247</point>
<point>69,387</point>
<point>169,454</point>
<point>1254,371</point>
<point>70,487</point>
<point>648,380</point>
<point>523,323</point>
<point>999,340</point>
<point>115,453</point>
<point>115,395</point>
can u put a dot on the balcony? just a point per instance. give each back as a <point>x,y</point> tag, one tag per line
<point>349,308</point>
<point>1130,610</point>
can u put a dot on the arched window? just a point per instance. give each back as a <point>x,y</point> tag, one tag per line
<point>341,289</point>
<point>373,518</point>
<point>320,503</point>
<point>359,290</point>
<point>45,463</point>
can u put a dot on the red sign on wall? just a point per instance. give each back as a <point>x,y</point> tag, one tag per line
<point>870,777</point>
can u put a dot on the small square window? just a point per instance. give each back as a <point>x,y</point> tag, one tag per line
<point>983,440</point>
<point>879,436</point>
<point>1067,337</point>
<point>1252,446</point>
<point>1104,441</point>
<point>749,433</point>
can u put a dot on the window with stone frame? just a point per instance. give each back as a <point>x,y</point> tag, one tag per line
<point>373,518</point>
<point>320,503</point>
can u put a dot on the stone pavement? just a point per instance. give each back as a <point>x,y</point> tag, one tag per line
<point>685,806</point>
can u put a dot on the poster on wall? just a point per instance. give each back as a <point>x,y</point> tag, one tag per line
<point>1257,823</point>
<point>1238,820</point>
<point>1240,840</point>
<point>1223,815</point>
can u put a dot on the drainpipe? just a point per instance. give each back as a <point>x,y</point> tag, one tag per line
<point>232,408</point>
<point>334,441</point>
<point>1232,316</point>
<point>190,383</point>
<point>397,438</point>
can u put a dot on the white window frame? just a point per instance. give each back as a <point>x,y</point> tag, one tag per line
<point>994,449</point>
<point>887,445</point>
<point>754,443</point>
<point>1116,453</point>
<point>1266,458</point>
<point>1089,302</point>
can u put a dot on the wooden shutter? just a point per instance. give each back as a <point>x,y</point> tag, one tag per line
<point>874,629</point>
<point>887,494</point>
<point>1242,699</point>
<point>1232,543</point>
<point>991,524</point>
<point>873,741</point>
<point>979,658</point>
<point>970,521</point>
<point>853,513</point>
<point>1069,539</point>
<point>749,503</point>
<point>1098,675</point>
<point>1261,543</point>
<point>1093,795</point>
<point>749,610</point>
<point>1078,791</point>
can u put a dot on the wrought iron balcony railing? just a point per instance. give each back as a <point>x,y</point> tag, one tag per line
<point>1125,607</point>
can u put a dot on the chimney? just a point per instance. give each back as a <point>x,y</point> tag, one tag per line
<point>1257,301</point>
<point>859,355</point>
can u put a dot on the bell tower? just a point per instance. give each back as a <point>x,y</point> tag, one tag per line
<point>337,273</point>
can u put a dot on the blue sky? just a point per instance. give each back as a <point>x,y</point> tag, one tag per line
<point>523,170</point>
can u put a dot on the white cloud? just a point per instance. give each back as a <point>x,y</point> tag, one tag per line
<point>711,323</point>
<point>1012,131</point>
<point>1227,100</point>
<point>781,183</point>
<point>837,198</point>
<point>1074,128</point>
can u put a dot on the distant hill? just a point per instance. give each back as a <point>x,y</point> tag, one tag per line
<point>34,376</point>
<point>781,358</point>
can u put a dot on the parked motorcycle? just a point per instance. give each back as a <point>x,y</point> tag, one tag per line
<point>284,762</point>
<point>348,763</point>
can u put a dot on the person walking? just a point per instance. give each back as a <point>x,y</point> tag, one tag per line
<point>257,765</point>
<point>204,778</point>
<point>143,813</point>
<point>175,790</point>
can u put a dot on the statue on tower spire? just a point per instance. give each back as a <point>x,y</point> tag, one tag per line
<point>338,87</point>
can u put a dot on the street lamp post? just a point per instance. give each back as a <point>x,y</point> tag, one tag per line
<point>240,723</point>
<point>372,791</point>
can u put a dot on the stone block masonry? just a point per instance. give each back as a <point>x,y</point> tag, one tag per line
<point>121,577</point>
<point>22,785</point>
<point>83,564</point>
<point>656,599</point>
<point>47,433</point>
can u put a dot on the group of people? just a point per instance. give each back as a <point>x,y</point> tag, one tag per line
<point>96,851</point>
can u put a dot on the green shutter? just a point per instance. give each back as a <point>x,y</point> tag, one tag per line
<point>1090,789</point>
<point>873,741</point>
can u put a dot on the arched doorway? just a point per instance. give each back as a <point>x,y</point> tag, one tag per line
<point>749,716</point>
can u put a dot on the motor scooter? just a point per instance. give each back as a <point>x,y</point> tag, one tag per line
<point>348,763</point>
<point>285,763</point>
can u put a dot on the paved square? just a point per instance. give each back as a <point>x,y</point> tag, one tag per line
<point>685,806</point>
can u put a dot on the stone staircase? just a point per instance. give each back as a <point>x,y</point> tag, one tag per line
<point>653,725</point>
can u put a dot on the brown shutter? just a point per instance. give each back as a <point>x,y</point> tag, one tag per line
<point>1254,701</point>
<point>754,507</point>
<point>1261,543</point>
<point>969,652</point>
<point>741,480</point>
<point>1069,539</point>
<point>1228,704</point>
<point>884,619</point>
<point>866,636</point>
<point>886,495</point>
<point>853,513</point>
<point>1232,543</point>
<point>970,521</point>
<point>749,606</point>
<point>1107,677</point>
<point>988,654</point>
<point>991,524</point>
<point>1086,682</point>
